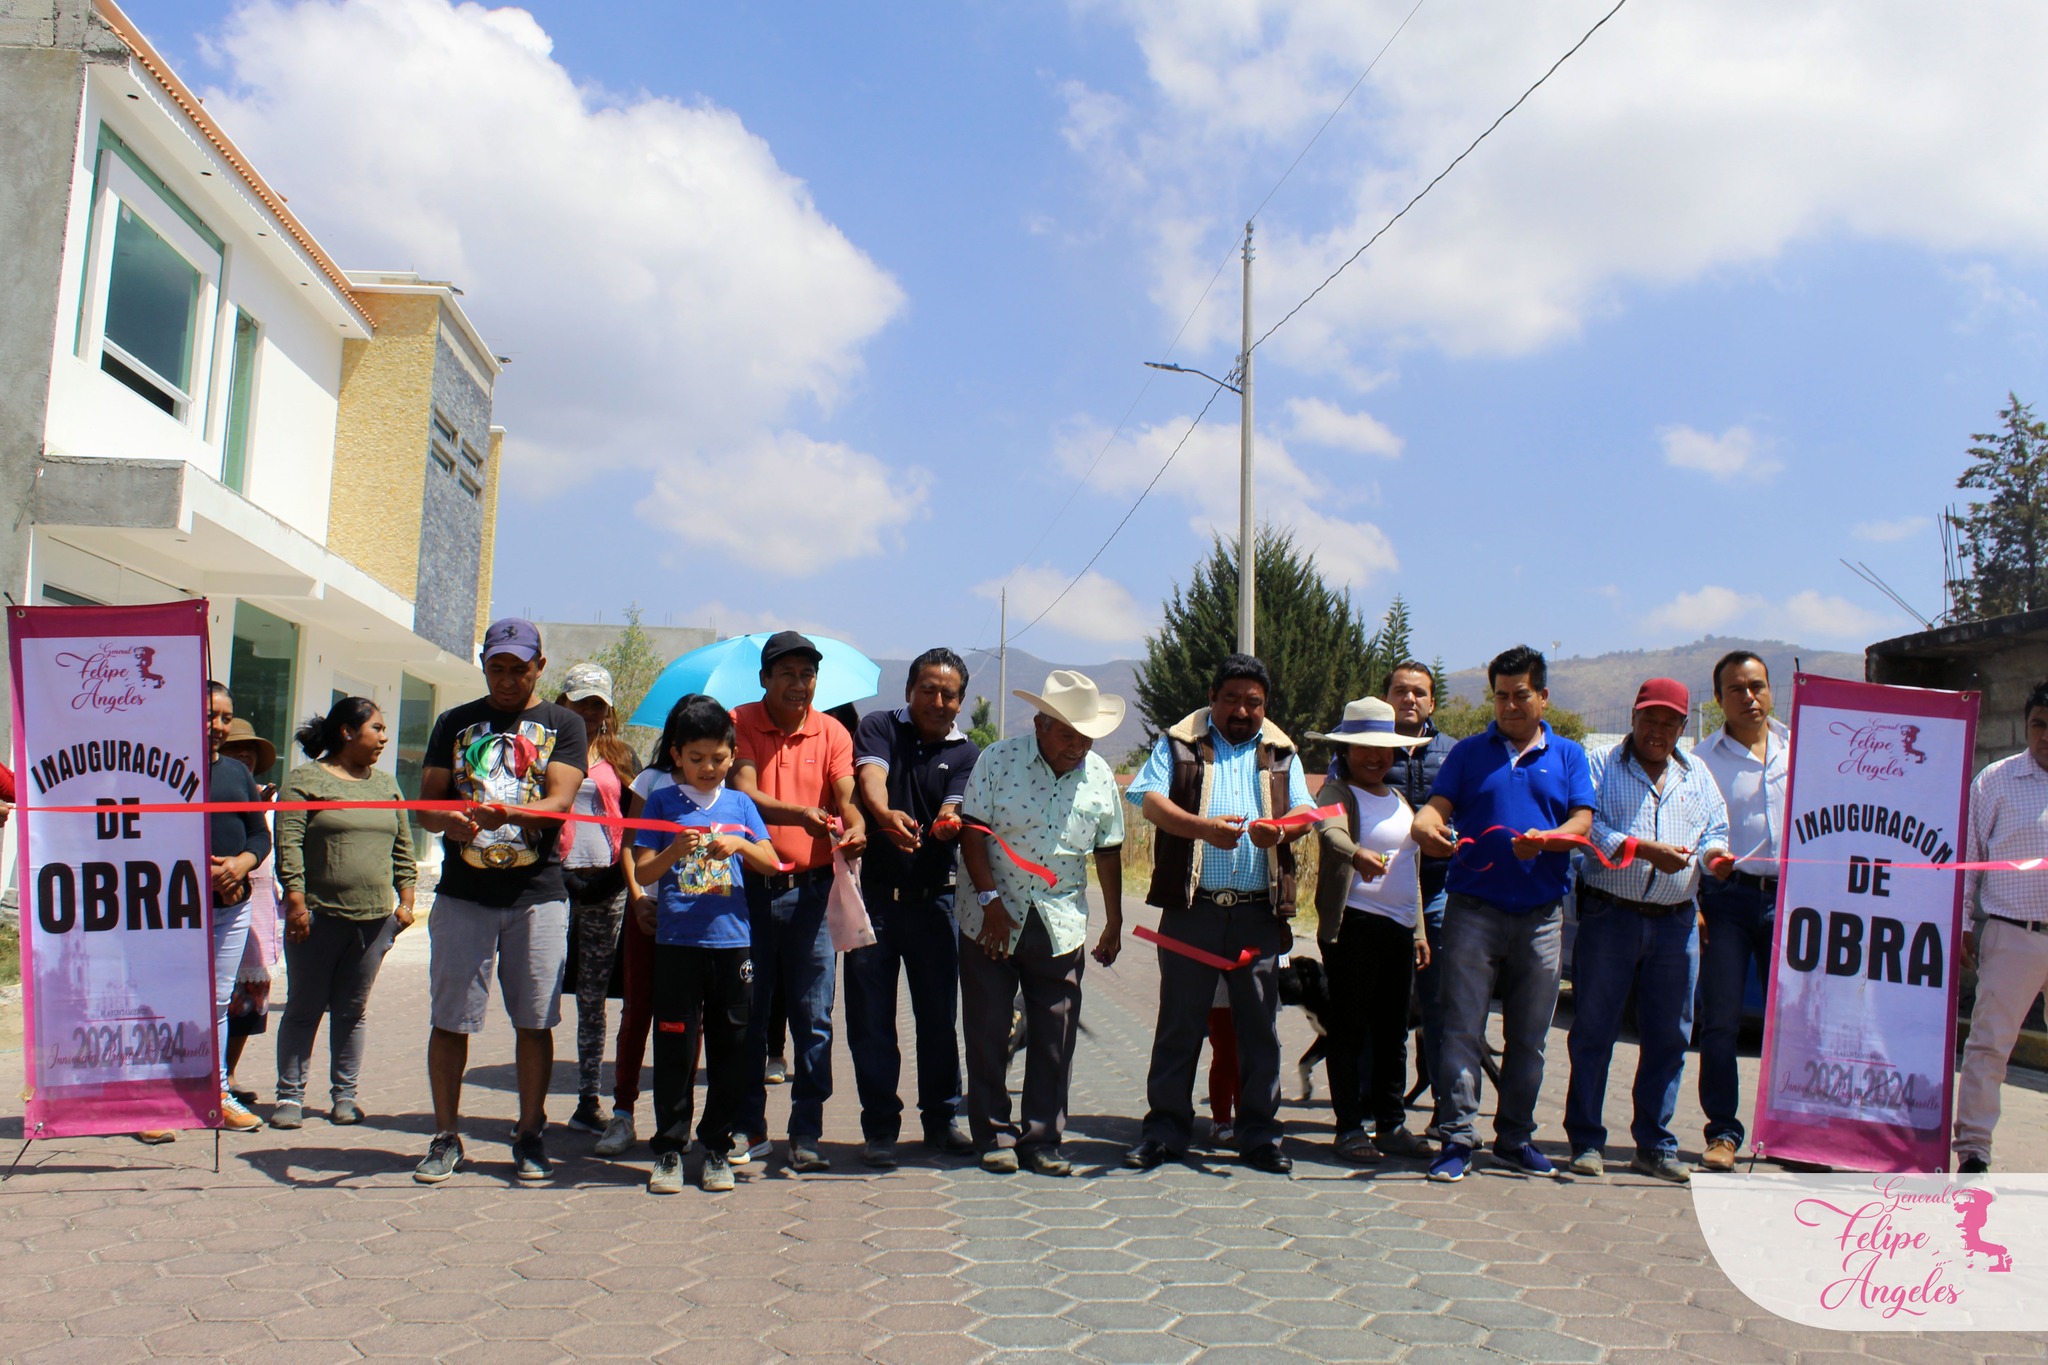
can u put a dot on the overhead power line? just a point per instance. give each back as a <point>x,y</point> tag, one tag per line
<point>1179,332</point>
<point>1583,40</point>
<point>1133,511</point>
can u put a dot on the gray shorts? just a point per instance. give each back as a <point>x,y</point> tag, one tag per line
<point>529,948</point>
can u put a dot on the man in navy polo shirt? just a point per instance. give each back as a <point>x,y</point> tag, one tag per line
<point>1521,792</point>
<point>910,767</point>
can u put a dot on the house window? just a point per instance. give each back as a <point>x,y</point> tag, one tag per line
<point>152,314</point>
<point>154,268</point>
<point>444,442</point>
<point>54,596</point>
<point>415,724</point>
<point>263,674</point>
<point>234,461</point>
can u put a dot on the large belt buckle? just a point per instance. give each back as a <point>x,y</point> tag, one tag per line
<point>1226,898</point>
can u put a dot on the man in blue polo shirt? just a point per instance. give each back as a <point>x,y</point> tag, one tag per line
<point>1521,793</point>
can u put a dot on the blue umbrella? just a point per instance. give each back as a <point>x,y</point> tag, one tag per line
<point>730,670</point>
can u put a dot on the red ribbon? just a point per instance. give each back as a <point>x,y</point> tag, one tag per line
<point>1024,864</point>
<point>1304,818</point>
<point>1189,950</point>
<point>1628,846</point>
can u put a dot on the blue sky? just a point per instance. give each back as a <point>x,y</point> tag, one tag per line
<point>818,315</point>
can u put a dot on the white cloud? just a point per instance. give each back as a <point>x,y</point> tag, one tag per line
<point>1687,136</point>
<point>729,621</point>
<point>1099,608</point>
<point>1736,454</point>
<point>1315,422</point>
<point>1885,532</point>
<point>1989,295</point>
<point>1701,612</point>
<point>1806,617</point>
<point>673,299</point>
<point>857,508</point>
<point>1204,475</point>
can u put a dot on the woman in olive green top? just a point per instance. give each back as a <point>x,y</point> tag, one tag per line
<point>339,870</point>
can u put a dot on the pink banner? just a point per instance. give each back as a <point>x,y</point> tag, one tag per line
<point>116,919</point>
<point>1860,1035</point>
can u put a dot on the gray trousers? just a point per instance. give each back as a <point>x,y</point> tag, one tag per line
<point>1487,952</point>
<point>1187,989</point>
<point>1051,986</point>
<point>331,973</point>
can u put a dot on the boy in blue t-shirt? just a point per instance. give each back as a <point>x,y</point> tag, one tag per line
<point>703,961</point>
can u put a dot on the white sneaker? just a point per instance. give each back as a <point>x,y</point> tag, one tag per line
<point>618,1134</point>
<point>762,1150</point>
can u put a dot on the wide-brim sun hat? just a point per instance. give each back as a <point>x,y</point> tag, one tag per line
<point>243,735</point>
<point>1073,699</point>
<point>1369,723</point>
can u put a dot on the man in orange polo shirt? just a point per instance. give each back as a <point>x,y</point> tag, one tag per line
<point>797,765</point>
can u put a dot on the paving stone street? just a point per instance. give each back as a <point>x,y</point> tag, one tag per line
<point>318,1246</point>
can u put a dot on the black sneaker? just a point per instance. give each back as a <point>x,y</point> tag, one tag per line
<point>588,1117</point>
<point>530,1158</point>
<point>1972,1165</point>
<point>443,1159</point>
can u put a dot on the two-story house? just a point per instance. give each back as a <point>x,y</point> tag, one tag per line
<point>197,401</point>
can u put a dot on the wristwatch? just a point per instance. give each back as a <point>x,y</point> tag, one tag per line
<point>984,897</point>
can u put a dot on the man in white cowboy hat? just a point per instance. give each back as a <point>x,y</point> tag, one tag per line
<point>1053,801</point>
<point>1212,779</point>
<point>1369,924</point>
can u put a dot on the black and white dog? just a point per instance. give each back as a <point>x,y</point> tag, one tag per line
<point>1300,981</point>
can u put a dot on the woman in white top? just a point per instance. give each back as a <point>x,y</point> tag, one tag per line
<point>1369,924</point>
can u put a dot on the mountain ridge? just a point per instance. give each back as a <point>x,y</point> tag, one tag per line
<point>1600,687</point>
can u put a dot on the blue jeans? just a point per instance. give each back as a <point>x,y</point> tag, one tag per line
<point>1739,924</point>
<point>230,938</point>
<point>1660,957</point>
<point>916,939</point>
<point>1489,951</point>
<point>790,947</point>
<point>1429,995</point>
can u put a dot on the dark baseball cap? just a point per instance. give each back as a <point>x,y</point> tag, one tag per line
<point>514,635</point>
<point>786,642</point>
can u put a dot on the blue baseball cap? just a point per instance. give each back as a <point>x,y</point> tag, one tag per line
<point>514,635</point>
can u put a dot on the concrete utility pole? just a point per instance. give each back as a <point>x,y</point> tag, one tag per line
<point>1003,666</point>
<point>1247,548</point>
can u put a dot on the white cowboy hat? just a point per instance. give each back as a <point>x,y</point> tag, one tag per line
<point>1073,698</point>
<point>1370,722</point>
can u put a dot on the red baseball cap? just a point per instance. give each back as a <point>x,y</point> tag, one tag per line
<point>1669,693</point>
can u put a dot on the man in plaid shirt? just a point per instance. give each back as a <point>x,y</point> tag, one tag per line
<point>1636,928</point>
<point>2008,821</point>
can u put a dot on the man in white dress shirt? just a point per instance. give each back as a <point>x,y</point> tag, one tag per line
<point>1748,757</point>
<point>2008,821</point>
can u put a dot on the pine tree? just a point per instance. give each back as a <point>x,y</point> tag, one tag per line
<point>981,723</point>
<point>1309,635</point>
<point>2006,538</point>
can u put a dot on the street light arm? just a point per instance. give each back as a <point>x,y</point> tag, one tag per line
<point>1187,369</point>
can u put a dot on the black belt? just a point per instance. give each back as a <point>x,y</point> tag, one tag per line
<point>1767,885</point>
<point>1647,909</point>
<point>899,895</point>
<point>775,883</point>
<point>1227,898</point>
<point>2032,926</point>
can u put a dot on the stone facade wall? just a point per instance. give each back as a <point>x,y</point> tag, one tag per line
<point>451,531</point>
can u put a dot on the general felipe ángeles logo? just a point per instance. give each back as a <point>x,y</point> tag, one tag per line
<point>113,678</point>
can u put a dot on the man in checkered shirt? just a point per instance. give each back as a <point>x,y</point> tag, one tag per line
<point>2008,821</point>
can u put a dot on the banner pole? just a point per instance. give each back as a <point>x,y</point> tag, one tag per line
<point>216,1151</point>
<point>17,1161</point>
